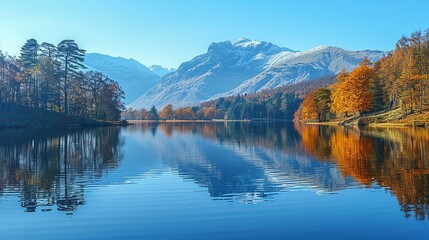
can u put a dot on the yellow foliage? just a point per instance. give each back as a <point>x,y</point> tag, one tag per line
<point>352,93</point>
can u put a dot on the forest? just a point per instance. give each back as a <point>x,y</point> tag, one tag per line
<point>53,77</point>
<point>274,104</point>
<point>399,80</point>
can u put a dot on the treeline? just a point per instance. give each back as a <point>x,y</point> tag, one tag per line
<point>280,103</point>
<point>303,88</point>
<point>398,80</point>
<point>51,77</point>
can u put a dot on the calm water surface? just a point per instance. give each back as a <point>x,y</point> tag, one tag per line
<point>215,181</point>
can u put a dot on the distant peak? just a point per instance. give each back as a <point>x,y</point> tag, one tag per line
<point>241,39</point>
<point>102,55</point>
<point>155,66</point>
<point>160,70</point>
<point>321,47</point>
<point>245,42</point>
<point>324,48</point>
<point>219,46</point>
<point>249,43</point>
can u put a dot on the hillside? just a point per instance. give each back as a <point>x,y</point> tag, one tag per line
<point>134,77</point>
<point>247,66</point>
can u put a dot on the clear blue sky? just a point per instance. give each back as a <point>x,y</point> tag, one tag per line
<point>169,32</point>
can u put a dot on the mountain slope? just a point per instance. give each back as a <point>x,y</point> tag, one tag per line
<point>288,68</point>
<point>247,66</point>
<point>134,77</point>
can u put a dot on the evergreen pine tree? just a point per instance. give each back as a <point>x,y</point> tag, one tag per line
<point>71,59</point>
<point>28,58</point>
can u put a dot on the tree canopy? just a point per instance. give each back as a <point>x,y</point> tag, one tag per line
<point>52,77</point>
<point>398,80</point>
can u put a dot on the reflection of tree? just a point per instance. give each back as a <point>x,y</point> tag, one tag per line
<point>406,171</point>
<point>396,159</point>
<point>51,167</point>
<point>314,139</point>
<point>167,129</point>
<point>354,155</point>
<point>250,161</point>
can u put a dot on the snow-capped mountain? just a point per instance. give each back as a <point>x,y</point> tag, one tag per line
<point>161,71</point>
<point>292,67</point>
<point>247,66</point>
<point>134,77</point>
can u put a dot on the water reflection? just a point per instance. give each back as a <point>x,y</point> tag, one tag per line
<point>248,162</point>
<point>238,162</point>
<point>50,169</point>
<point>257,160</point>
<point>392,158</point>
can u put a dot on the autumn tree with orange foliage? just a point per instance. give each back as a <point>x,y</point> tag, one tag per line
<point>336,97</point>
<point>351,93</point>
<point>316,105</point>
<point>184,113</point>
<point>209,113</point>
<point>404,73</point>
<point>167,112</point>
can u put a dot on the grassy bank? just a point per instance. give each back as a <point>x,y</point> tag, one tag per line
<point>395,118</point>
<point>334,123</point>
<point>27,117</point>
<point>391,118</point>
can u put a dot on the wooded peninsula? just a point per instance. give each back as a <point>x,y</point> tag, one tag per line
<point>47,86</point>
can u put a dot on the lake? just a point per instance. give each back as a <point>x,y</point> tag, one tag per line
<point>250,180</point>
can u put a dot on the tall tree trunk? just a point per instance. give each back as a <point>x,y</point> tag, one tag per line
<point>421,94</point>
<point>411,99</point>
<point>66,109</point>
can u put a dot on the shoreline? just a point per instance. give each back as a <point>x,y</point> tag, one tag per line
<point>18,117</point>
<point>373,125</point>
<point>394,118</point>
<point>322,123</point>
<point>184,121</point>
<point>61,125</point>
<point>203,121</point>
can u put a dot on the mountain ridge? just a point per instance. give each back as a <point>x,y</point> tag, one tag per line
<point>247,66</point>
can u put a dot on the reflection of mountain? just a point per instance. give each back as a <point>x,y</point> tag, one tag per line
<point>247,161</point>
<point>244,162</point>
<point>395,159</point>
<point>48,168</point>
